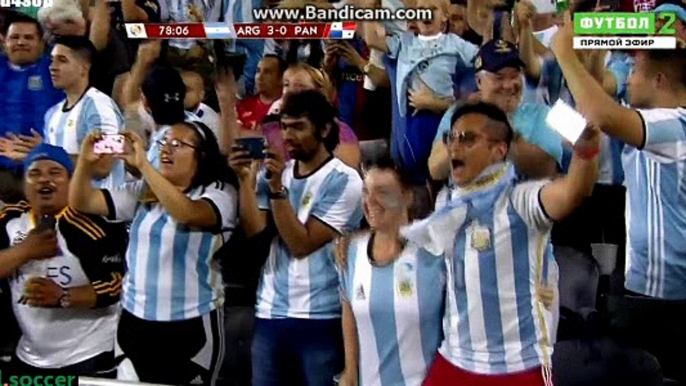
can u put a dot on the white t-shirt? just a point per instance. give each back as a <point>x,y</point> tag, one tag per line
<point>59,337</point>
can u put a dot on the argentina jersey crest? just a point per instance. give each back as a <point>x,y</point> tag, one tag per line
<point>35,83</point>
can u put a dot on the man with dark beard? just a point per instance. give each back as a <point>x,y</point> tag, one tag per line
<point>312,198</point>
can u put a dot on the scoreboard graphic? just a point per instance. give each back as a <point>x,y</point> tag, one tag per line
<point>335,30</point>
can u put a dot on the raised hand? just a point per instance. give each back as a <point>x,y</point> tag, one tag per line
<point>136,155</point>
<point>562,41</point>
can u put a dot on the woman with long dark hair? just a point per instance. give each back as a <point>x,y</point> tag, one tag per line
<point>171,324</point>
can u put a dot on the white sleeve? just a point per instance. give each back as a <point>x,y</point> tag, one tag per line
<point>123,201</point>
<point>224,200</point>
<point>270,47</point>
<point>665,133</point>
<point>526,199</point>
<point>339,202</point>
<point>376,60</point>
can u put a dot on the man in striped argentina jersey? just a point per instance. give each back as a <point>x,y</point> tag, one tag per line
<point>495,236</point>
<point>654,161</point>
<point>312,198</point>
<point>84,110</point>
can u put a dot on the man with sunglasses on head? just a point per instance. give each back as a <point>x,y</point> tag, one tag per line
<point>494,233</point>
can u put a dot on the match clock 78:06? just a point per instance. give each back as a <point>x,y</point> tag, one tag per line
<point>174,31</point>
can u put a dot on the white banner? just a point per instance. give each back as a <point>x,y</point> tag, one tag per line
<point>625,42</point>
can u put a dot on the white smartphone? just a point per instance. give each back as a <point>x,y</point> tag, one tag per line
<point>566,121</point>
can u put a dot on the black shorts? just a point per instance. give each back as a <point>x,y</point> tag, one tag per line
<point>187,352</point>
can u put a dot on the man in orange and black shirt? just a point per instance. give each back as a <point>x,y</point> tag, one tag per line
<point>64,270</point>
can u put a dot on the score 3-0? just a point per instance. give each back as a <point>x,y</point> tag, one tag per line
<point>254,30</point>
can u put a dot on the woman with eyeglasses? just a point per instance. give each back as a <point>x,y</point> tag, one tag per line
<point>392,291</point>
<point>170,327</point>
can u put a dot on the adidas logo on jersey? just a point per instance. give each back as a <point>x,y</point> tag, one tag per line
<point>360,293</point>
<point>197,381</point>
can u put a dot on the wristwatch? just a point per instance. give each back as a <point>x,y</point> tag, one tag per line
<point>65,299</point>
<point>279,195</point>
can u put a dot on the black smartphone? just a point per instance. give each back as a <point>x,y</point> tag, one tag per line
<point>254,145</point>
<point>228,61</point>
<point>612,5</point>
<point>46,223</point>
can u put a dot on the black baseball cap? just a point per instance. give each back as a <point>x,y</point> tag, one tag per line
<point>165,91</point>
<point>496,55</point>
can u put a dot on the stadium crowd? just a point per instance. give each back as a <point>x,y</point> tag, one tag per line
<point>392,209</point>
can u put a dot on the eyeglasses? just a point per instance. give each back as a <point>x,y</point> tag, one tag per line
<point>174,144</point>
<point>466,138</point>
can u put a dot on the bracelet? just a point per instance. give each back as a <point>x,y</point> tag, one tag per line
<point>279,195</point>
<point>586,154</point>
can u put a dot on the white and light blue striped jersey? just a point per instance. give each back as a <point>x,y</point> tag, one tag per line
<point>398,310</point>
<point>656,206</point>
<point>307,288</point>
<point>172,273</point>
<point>241,11</point>
<point>177,11</point>
<point>552,85</point>
<point>158,135</point>
<point>67,128</point>
<point>209,117</point>
<point>500,252</point>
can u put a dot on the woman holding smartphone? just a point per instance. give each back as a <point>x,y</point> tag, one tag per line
<point>171,324</point>
<point>392,291</point>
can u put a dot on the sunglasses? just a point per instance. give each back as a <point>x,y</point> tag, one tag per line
<point>466,138</point>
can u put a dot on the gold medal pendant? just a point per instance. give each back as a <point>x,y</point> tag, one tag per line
<point>480,237</point>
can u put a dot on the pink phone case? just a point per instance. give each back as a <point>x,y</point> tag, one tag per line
<point>110,144</point>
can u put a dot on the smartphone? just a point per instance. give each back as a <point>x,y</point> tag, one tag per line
<point>110,144</point>
<point>46,223</point>
<point>254,145</point>
<point>566,121</point>
<point>612,5</point>
<point>226,60</point>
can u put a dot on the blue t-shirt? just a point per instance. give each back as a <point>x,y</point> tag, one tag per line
<point>27,94</point>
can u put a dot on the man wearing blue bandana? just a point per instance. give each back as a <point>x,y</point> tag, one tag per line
<point>494,234</point>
